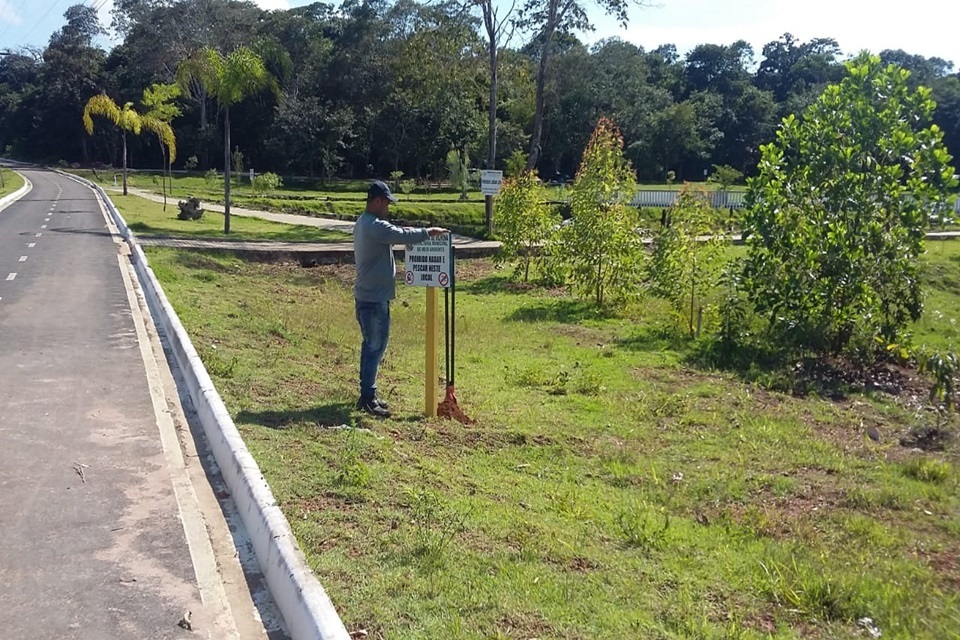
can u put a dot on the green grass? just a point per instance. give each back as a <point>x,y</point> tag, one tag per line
<point>608,490</point>
<point>146,218</point>
<point>11,180</point>
<point>425,206</point>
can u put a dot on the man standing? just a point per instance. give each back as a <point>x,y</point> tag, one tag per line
<point>375,286</point>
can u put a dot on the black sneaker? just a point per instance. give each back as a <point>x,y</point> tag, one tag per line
<point>371,407</point>
<point>380,403</point>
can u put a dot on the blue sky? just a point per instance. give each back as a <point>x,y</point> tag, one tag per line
<point>930,27</point>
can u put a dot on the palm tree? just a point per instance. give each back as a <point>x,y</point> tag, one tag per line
<point>229,79</point>
<point>125,119</point>
<point>158,99</point>
<point>168,147</point>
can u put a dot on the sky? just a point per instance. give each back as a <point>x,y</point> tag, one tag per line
<point>929,27</point>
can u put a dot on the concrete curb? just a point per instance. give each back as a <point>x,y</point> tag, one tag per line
<point>307,610</point>
<point>10,198</point>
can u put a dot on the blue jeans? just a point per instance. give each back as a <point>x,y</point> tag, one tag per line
<point>374,320</point>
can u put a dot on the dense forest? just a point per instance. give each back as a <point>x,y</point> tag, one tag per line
<point>370,87</point>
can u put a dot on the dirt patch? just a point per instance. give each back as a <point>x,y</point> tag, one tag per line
<point>946,564</point>
<point>470,270</point>
<point>524,625</point>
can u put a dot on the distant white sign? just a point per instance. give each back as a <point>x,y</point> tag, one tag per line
<point>428,264</point>
<point>490,182</point>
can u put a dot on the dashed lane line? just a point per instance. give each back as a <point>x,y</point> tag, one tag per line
<point>23,258</point>
<point>11,277</point>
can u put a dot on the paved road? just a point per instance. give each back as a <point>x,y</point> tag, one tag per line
<point>92,541</point>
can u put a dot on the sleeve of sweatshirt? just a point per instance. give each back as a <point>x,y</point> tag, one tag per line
<point>387,233</point>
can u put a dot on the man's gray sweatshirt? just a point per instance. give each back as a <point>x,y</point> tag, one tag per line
<point>373,241</point>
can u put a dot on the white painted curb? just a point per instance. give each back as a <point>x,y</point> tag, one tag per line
<point>10,198</point>
<point>307,610</point>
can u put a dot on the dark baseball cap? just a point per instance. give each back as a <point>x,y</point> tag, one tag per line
<point>379,189</point>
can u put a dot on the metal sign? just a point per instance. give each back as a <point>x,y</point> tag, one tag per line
<point>490,182</point>
<point>428,263</point>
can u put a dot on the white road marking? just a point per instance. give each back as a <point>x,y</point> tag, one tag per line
<point>43,226</point>
<point>39,234</point>
<point>11,277</point>
<point>23,258</point>
<point>31,245</point>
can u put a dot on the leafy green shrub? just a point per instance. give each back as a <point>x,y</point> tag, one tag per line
<point>944,368</point>
<point>352,471</point>
<point>523,220</point>
<point>266,183</point>
<point>395,179</point>
<point>212,177</point>
<point>836,217</point>
<point>515,164</point>
<point>725,176</point>
<point>191,163</point>
<point>687,256</point>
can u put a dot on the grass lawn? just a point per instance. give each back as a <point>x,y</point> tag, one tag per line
<point>147,218</point>
<point>344,199</point>
<point>11,180</point>
<point>608,489</point>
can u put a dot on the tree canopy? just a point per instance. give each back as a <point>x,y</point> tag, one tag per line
<point>370,87</point>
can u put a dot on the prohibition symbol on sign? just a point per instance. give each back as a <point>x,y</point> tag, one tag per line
<point>408,278</point>
<point>443,279</point>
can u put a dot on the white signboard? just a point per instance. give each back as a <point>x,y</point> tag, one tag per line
<point>428,263</point>
<point>490,182</point>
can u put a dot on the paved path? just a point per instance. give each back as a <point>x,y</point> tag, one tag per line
<point>309,221</point>
<point>95,510</point>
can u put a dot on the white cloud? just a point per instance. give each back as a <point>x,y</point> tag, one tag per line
<point>8,15</point>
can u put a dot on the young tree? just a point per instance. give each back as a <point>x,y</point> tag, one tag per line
<point>229,79</point>
<point>602,247</point>
<point>126,119</point>
<point>687,256</point>
<point>837,214</point>
<point>524,220</point>
<point>161,110</point>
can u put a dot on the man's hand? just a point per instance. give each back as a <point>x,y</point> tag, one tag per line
<point>433,232</point>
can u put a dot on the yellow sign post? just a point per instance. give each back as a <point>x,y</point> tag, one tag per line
<point>431,390</point>
<point>429,264</point>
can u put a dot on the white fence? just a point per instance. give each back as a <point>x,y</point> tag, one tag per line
<point>719,199</point>
<point>664,198</point>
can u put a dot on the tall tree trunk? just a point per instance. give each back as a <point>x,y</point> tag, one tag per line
<point>124,136</point>
<point>204,142</point>
<point>226,170</point>
<point>549,30</point>
<point>492,131</point>
<point>163,175</point>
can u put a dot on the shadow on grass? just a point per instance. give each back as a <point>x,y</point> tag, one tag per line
<point>563,311</point>
<point>655,338</point>
<point>333,414</point>
<point>492,285</point>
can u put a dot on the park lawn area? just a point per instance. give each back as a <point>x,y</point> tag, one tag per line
<point>147,218</point>
<point>609,489</point>
<point>11,182</point>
